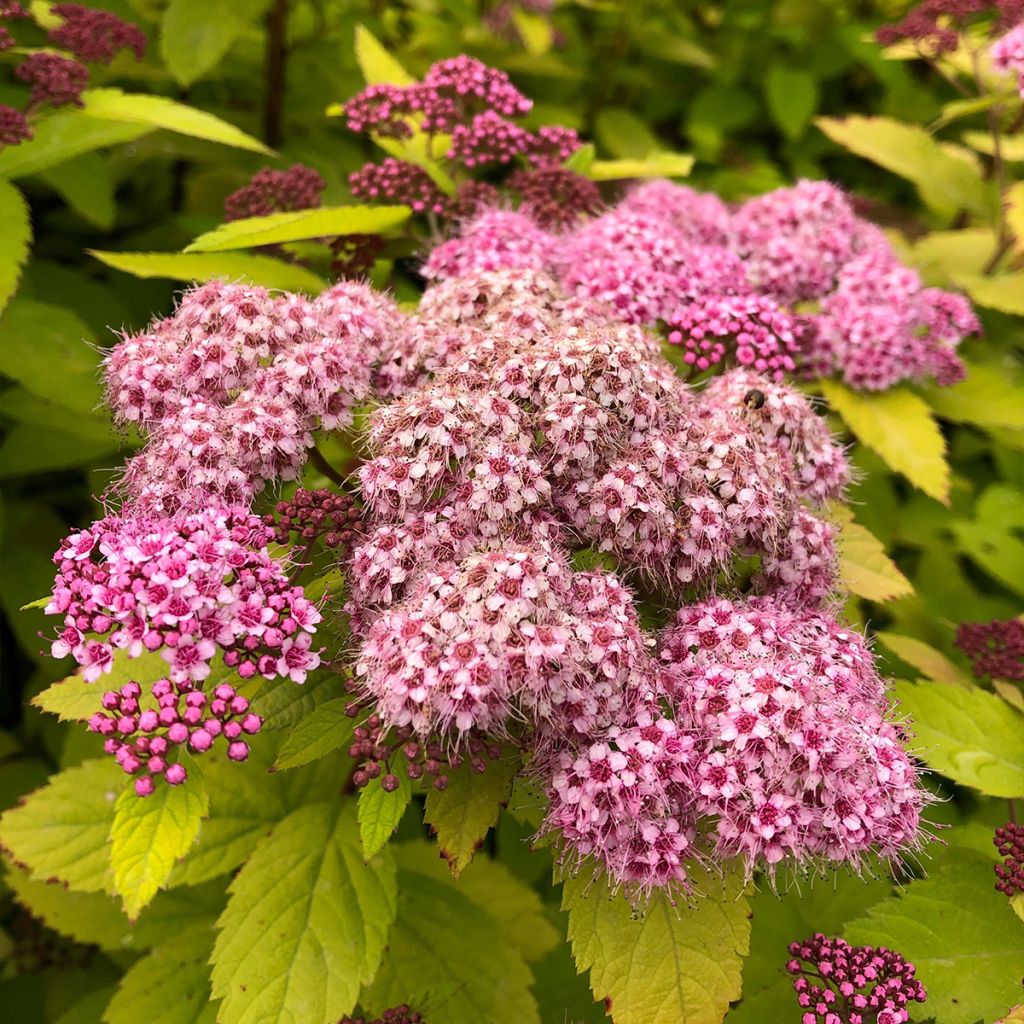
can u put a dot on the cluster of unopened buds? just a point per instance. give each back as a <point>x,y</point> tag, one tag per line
<point>394,1015</point>
<point>143,738</point>
<point>1009,841</point>
<point>380,751</point>
<point>321,515</point>
<point>57,80</point>
<point>837,983</point>
<point>996,648</point>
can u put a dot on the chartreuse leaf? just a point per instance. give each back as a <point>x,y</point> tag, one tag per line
<point>15,239</point>
<point>992,395</point>
<point>925,658</point>
<point>972,736</point>
<point>864,567</point>
<point>377,65</point>
<point>252,268</point>
<point>316,735</point>
<point>660,963</point>
<point>150,834</point>
<point>462,813</point>
<point>47,348</point>
<point>959,933</point>
<point>195,35</point>
<point>898,426</point>
<point>161,112</point>
<point>536,31</point>
<point>287,704</point>
<point>64,135</point>
<point>61,830</point>
<point>445,942</point>
<point>1004,292</point>
<point>1013,202</point>
<point>654,165</point>
<point>97,919</point>
<point>295,226</point>
<point>306,922</point>
<point>171,985</point>
<point>945,181</point>
<point>381,811</point>
<point>494,888</point>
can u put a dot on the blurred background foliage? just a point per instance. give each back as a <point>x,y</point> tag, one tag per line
<point>740,85</point>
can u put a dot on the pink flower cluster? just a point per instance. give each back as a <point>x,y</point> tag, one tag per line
<point>189,586</point>
<point>1007,54</point>
<point>143,738</point>
<point>468,110</point>
<point>795,755</point>
<point>837,983</point>
<point>230,387</point>
<point>789,282</point>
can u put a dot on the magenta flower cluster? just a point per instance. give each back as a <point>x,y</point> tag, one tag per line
<point>273,191</point>
<point>837,983</point>
<point>792,281</point>
<point>189,586</point>
<point>1007,54</point>
<point>467,112</point>
<point>143,738</point>
<point>230,387</point>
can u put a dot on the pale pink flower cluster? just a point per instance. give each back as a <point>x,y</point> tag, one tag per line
<point>1007,54</point>
<point>796,756</point>
<point>793,281</point>
<point>189,586</point>
<point>229,388</point>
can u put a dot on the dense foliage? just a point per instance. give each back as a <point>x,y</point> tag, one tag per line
<point>455,571</point>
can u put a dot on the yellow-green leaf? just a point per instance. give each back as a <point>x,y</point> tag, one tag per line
<point>1013,202</point>
<point>248,267</point>
<point>150,834</point>
<point>534,30</point>
<point>1004,292</point>
<point>61,830</point>
<point>925,658</point>
<point>969,735</point>
<point>660,963</point>
<point>15,239</point>
<point>945,181</point>
<point>1012,146</point>
<point>377,65</point>
<point>898,426</point>
<point>325,222</point>
<point>317,734</point>
<point>462,814</point>
<point>992,395</point>
<point>306,923</point>
<point>160,112</point>
<point>380,811</point>
<point>654,165</point>
<point>864,567</point>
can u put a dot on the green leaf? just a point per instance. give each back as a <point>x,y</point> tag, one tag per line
<point>792,96</point>
<point>534,30</point>
<point>97,919</point>
<point>89,1009</point>
<point>971,736</point>
<point>946,182</point>
<point>992,540</point>
<point>161,112</point>
<point>87,186</point>
<point>1004,292</point>
<point>991,396</point>
<point>248,267</point>
<point>286,704</point>
<point>149,834</point>
<point>324,222</point>
<point>15,239</point>
<point>71,699</point>
<point>317,735</point>
<point>494,888</point>
<point>898,426</point>
<point>377,65</point>
<point>64,135</point>
<point>444,942</point>
<point>462,814</point>
<point>933,664</point>
<point>964,940</point>
<point>30,449</point>
<point>864,567</point>
<point>623,134</point>
<point>61,831</point>
<point>306,923</point>
<point>195,35</point>
<point>381,811</point>
<point>660,963</point>
<point>169,986</point>
<point>47,348</point>
<point>654,165</point>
